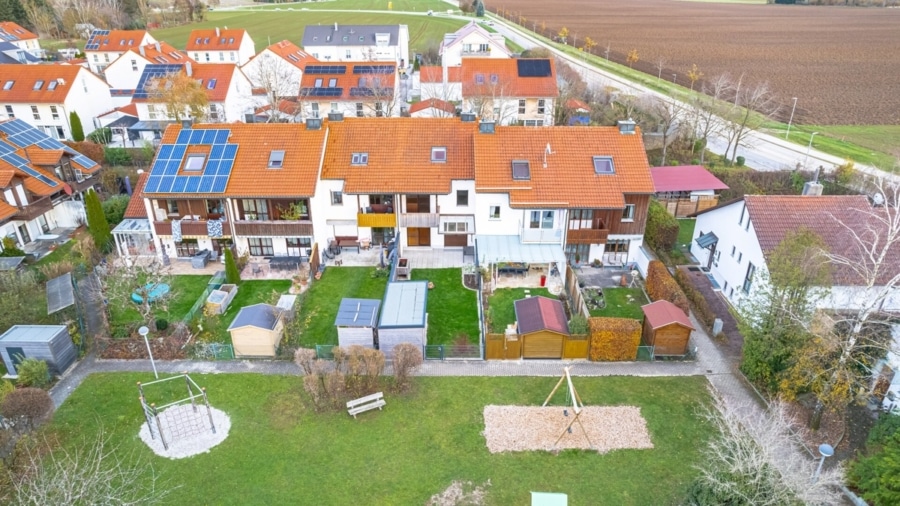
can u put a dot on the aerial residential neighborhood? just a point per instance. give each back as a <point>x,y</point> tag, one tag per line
<point>437,252</point>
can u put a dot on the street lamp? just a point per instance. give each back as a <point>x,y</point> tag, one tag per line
<point>791,120</point>
<point>805,158</point>
<point>143,331</point>
<point>674,78</point>
<point>826,451</point>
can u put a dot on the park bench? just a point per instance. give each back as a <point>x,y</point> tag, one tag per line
<point>366,403</point>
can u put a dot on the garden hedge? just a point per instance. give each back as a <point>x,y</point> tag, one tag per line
<point>698,302</point>
<point>661,232</point>
<point>662,286</point>
<point>614,339</point>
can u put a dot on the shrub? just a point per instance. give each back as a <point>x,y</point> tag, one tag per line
<point>407,359</point>
<point>6,387</point>
<point>77,129</point>
<point>33,373</point>
<point>28,406</point>
<point>232,274</point>
<point>100,136</point>
<point>117,156</point>
<point>614,339</point>
<point>875,473</point>
<point>162,324</point>
<point>10,248</point>
<point>114,208</point>
<point>698,303</point>
<point>661,286</point>
<point>662,228</point>
<point>740,161</point>
<point>578,325</point>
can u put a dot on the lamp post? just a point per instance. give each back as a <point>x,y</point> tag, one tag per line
<point>806,158</point>
<point>143,331</point>
<point>826,451</point>
<point>791,120</point>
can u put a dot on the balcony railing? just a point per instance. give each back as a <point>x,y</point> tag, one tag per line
<point>377,220</point>
<point>587,236</point>
<point>189,228</point>
<point>34,209</point>
<point>273,228</point>
<point>420,220</point>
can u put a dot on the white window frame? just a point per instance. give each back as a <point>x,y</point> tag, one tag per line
<point>337,198</point>
<point>628,213</point>
<point>494,213</point>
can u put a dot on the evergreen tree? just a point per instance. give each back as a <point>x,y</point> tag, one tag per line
<point>479,8</point>
<point>232,275</point>
<point>11,10</point>
<point>77,129</point>
<point>97,224</point>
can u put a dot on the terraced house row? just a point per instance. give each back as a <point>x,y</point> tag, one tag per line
<point>506,193</point>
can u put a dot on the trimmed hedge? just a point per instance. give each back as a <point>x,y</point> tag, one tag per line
<point>662,286</point>
<point>614,339</point>
<point>698,303</point>
<point>661,232</point>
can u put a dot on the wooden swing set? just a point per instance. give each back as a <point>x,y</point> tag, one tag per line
<point>577,407</point>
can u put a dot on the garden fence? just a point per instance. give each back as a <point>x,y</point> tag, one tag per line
<point>644,354</point>
<point>573,290</point>
<point>214,283</point>
<point>215,351</point>
<point>324,351</point>
<point>451,351</point>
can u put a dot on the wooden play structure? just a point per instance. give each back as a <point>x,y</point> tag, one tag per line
<point>577,406</point>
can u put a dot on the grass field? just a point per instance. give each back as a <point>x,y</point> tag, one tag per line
<point>320,303</point>
<point>186,289</point>
<point>503,309</point>
<point>619,306</point>
<point>280,452</point>
<point>268,27</point>
<point>452,308</point>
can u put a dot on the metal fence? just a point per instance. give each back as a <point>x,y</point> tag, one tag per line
<point>644,354</point>
<point>451,351</point>
<point>214,351</point>
<point>324,351</point>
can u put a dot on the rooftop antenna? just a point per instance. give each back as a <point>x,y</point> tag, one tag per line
<point>547,151</point>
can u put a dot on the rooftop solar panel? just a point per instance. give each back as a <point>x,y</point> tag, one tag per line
<point>151,72</point>
<point>322,92</point>
<point>164,175</point>
<point>326,69</point>
<point>373,69</point>
<point>533,68</point>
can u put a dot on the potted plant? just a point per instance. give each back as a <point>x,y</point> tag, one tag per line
<point>596,263</point>
<point>577,258</point>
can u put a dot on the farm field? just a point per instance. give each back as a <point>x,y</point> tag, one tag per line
<point>840,62</point>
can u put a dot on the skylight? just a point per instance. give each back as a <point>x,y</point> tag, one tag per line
<point>194,163</point>
<point>211,84</point>
<point>276,159</point>
<point>8,85</point>
<point>479,78</point>
<point>439,154</point>
<point>359,159</point>
<point>38,85</point>
<point>332,82</point>
<point>603,165</point>
<point>52,85</point>
<point>494,78</point>
<point>521,170</point>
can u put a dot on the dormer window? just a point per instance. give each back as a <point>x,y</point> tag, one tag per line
<point>276,159</point>
<point>438,155</point>
<point>521,170</point>
<point>38,85</point>
<point>359,159</point>
<point>194,163</point>
<point>603,165</point>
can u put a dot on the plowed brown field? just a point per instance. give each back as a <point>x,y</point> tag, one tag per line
<point>842,63</point>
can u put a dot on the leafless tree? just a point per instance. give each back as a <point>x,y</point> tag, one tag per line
<point>668,114</point>
<point>660,64</point>
<point>119,281</point>
<point>406,360</point>
<point>383,95</point>
<point>705,108</point>
<point>277,78</point>
<point>491,100</point>
<point>753,105</point>
<point>571,85</point>
<point>41,16</point>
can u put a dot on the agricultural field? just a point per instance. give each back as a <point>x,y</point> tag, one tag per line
<point>841,63</point>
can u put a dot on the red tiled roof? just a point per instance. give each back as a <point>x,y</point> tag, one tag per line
<point>135,207</point>
<point>292,54</point>
<point>685,178</point>
<point>441,105</point>
<point>25,79</point>
<point>6,210</point>
<point>569,179</point>
<point>399,154</point>
<point>40,156</point>
<point>15,30</point>
<point>118,40</point>
<point>130,109</point>
<point>662,313</point>
<point>574,104</point>
<point>215,39</point>
<point>540,313</point>
<point>500,77</point>
<point>349,80</point>
<point>7,173</point>
<point>289,107</point>
<point>161,53</point>
<point>221,72</point>
<point>435,74</point>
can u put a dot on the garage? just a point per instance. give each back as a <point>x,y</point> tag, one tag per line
<point>456,240</point>
<point>542,327</point>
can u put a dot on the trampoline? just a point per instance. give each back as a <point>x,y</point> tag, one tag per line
<point>154,292</point>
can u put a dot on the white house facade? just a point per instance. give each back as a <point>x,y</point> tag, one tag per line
<point>374,43</point>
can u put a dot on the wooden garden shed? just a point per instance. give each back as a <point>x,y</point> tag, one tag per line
<point>257,331</point>
<point>403,315</point>
<point>356,322</point>
<point>666,328</point>
<point>542,327</point>
<point>50,343</point>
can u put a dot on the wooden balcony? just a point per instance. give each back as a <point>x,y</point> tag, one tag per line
<point>377,220</point>
<point>273,228</point>
<point>34,209</point>
<point>587,236</point>
<point>189,228</point>
<point>420,220</point>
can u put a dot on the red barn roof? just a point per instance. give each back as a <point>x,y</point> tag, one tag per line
<point>540,313</point>
<point>685,178</point>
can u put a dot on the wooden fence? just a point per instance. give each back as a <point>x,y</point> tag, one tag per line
<point>576,301</point>
<point>504,347</point>
<point>314,260</point>
<point>681,207</point>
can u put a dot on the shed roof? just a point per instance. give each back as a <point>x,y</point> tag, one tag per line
<point>685,178</point>
<point>32,333</point>
<point>404,304</point>
<point>357,313</point>
<point>263,316</point>
<point>662,313</point>
<point>540,313</point>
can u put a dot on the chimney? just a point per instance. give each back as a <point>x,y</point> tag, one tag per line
<point>158,48</point>
<point>217,31</point>
<point>335,116</point>
<point>486,127</point>
<point>186,124</point>
<point>313,123</point>
<point>142,51</point>
<point>812,188</point>
<point>188,69</point>
<point>467,117</point>
<point>626,127</point>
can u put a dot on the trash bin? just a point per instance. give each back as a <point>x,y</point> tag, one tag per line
<point>543,280</point>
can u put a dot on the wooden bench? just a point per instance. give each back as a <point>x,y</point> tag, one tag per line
<point>366,403</point>
<point>346,241</point>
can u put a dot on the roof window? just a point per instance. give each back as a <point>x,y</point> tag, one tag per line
<point>276,159</point>
<point>332,82</point>
<point>479,78</point>
<point>494,78</point>
<point>52,85</point>
<point>8,85</point>
<point>359,159</point>
<point>194,163</point>
<point>38,85</point>
<point>211,84</point>
<point>521,170</point>
<point>603,165</point>
<point>439,154</point>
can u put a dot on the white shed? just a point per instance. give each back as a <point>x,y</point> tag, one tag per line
<point>50,343</point>
<point>256,331</point>
<point>403,316</point>
<point>356,321</point>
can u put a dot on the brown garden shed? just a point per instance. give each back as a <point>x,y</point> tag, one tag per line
<point>666,328</point>
<point>256,331</point>
<point>542,327</point>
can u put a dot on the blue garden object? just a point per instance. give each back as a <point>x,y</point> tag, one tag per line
<point>154,293</point>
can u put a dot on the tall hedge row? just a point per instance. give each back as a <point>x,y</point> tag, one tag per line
<point>662,228</point>
<point>662,286</point>
<point>698,302</point>
<point>614,339</point>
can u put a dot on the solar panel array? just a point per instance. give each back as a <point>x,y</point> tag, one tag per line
<point>321,92</point>
<point>93,43</point>
<point>7,36</point>
<point>60,293</point>
<point>153,71</point>
<point>373,69</point>
<point>24,135</point>
<point>370,92</point>
<point>326,69</point>
<point>164,176</point>
<point>534,68</point>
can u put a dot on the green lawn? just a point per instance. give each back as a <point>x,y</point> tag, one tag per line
<point>503,312</point>
<point>186,289</point>
<point>320,303</point>
<point>619,306</point>
<point>279,452</point>
<point>452,308</point>
<point>252,292</point>
<point>685,231</point>
<point>63,252</point>
<point>267,27</point>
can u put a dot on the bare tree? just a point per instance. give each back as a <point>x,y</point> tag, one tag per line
<point>660,64</point>
<point>571,85</point>
<point>118,282</point>
<point>277,78</point>
<point>753,105</point>
<point>383,95</point>
<point>490,100</point>
<point>705,107</point>
<point>41,16</point>
<point>181,94</point>
<point>668,114</point>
